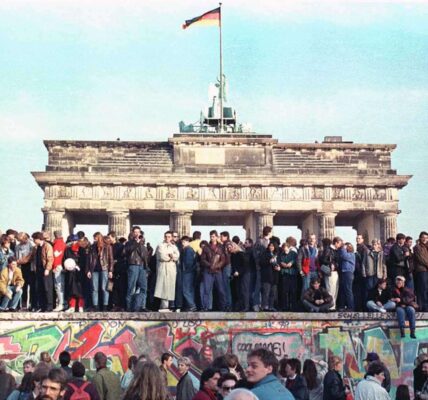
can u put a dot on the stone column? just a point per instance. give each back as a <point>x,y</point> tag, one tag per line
<point>366,224</point>
<point>309,224</point>
<point>389,226</point>
<point>327,225</point>
<point>67,224</point>
<point>181,221</point>
<point>250,226</point>
<point>118,221</point>
<point>53,221</point>
<point>264,218</point>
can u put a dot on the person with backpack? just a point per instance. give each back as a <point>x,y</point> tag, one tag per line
<point>77,387</point>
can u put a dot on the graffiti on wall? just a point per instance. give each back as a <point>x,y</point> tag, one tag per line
<point>202,341</point>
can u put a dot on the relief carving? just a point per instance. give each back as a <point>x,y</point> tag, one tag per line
<point>234,194</point>
<point>192,194</point>
<point>255,193</point>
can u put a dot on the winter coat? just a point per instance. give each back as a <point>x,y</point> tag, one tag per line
<point>420,257</point>
<point>75,278</point>
<point>370,389</point>
<point>17,280</point>
<point>397,261</point>
<point>46,255</point>
<point>185,388</point>
<point>406,295</point>
<point>321,294</point>
<point>375,266</point>
<point>334,389</point>
<point>270,388</point>
<point>267,271</point>
<point>240,262</point>
<point>107,384</point>
<point>167,255</point>
<point>384,296</point>
<point>298,388</point>
<point>188,260</point>
<point>286,258</point>
<point>347,260</point>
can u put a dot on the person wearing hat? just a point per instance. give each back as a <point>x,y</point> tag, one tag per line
<point>374,357</point>
<point>379,299</point>
<point>404,298</point>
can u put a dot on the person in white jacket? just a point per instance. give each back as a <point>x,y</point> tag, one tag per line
<point>370,388</point>
<point>167,255</point>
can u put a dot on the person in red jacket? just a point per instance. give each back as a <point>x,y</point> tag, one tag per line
<point>209,385</point>
<point>57,268</point>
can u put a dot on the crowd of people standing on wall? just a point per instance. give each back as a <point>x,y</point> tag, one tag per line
<point>223,273</point>
<point>264,378</point>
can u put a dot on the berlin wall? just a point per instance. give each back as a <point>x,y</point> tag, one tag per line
<point>203,340</point>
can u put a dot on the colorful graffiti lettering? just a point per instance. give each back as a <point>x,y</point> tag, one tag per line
<point>202,341</point>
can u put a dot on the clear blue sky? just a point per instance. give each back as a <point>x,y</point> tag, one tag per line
<point>297,70</point>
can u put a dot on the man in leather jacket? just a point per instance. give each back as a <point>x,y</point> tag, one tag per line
<point>137,259</point>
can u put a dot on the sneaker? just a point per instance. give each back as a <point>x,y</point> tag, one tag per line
<point>58,309</point>
<point>80,309</point>
<point>256,308</point>
<point>177,310</point>
<point>382,310</point>
<point>164,310</point>
<point>69,310</point>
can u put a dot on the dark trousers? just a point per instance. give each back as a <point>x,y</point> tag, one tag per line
<point>269,295</point>
<point>421,281</point>
<point>44,290</point>
<point>120,287</point>
<point>209,281</point>
<point>359,290</point>
<point>189,289</point>
<point>243,295</point>
<point>288,292</point>
<point>179,288</point>
<point>346,296</point>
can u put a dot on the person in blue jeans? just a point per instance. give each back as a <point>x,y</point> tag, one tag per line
<point>227,270</point>
<point>137,258</point>
<point>346,274</point>
<point>404,298</point>
<point>100,269</point>
<point>11,283</point>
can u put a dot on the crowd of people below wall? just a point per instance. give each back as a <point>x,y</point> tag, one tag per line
<point>264,378</point>
<point>224,274</point>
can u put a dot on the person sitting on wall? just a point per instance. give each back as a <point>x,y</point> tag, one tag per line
<point>379,299</point>
<point>316,298</point>
<point>11,283</point>
<point>406,305</point>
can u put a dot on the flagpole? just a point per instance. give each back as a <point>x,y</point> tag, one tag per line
<point>221,77</point>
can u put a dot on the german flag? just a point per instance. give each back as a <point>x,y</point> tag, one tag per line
<point>210,18</point>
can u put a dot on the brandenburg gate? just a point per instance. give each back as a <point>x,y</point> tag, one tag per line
<point>229,179</point>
